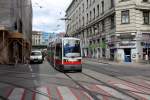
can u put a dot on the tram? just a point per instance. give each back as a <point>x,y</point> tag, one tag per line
<point>65,54</point>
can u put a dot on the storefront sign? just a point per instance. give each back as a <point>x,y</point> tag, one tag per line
<point>127,45</point>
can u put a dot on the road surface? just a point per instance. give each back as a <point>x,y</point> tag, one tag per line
<point>96,82</point>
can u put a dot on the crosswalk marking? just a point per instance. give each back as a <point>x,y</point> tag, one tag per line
<point>126,87</point>
<point>66,93</point>
<point>16,94</point>
<point>148,82</point>
<point>114,92</point>
<point>42,97</point>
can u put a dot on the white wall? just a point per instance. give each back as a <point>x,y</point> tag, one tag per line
<point>120,55</point>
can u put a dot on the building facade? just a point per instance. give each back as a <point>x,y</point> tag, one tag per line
<point>37,38</point>
<point>117,30</point>
<point>15,28</point>
<point>45,37</point>
<point>16,16</point>
<point>41,38</point>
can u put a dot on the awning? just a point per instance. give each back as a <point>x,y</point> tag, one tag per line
<point>4,32</point>
<point>15,35</point>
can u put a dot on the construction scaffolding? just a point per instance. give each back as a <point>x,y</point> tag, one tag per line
<point>13,47</point>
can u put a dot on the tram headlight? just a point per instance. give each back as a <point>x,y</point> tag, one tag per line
<point>66,60</point>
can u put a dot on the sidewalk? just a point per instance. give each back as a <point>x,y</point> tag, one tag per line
<point>117,63</point>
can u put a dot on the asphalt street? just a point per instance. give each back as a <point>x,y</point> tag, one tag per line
<point>96,82</point>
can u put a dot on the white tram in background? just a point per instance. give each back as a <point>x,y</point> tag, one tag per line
<point>65,54</point>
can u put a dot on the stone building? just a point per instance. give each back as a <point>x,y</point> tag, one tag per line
<point>117,30</point>
<point>37,38</point>
<point>15,28</point>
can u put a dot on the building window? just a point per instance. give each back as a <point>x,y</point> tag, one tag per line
<point>102,3</point>
<point>83,20</point>
<point>124,0</point>
<point>112,21</point>
<point>87,17</point>
<point>112,4</point>
<point>145,0</point>
<point>93,1</point>
<point>97,10</point>
<point>91,31</point>
<point>79,11</point>
<point>83,7</point>
<point>87,2</point>
<point>94,12</point>
<point>103,26</point>
<point>146,17</point>
<point>90,15</point>
<point>90,2</point>
<point>125,17</point>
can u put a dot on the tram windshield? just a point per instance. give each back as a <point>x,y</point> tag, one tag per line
<point>72,48</point>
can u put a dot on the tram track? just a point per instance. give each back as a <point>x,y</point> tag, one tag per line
<point>116,88</point>
<point>20,86</point>
<point>90,93</point>
<point>113,74</point>
<point>3,98</point>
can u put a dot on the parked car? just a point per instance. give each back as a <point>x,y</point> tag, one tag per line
<point>36,57</point>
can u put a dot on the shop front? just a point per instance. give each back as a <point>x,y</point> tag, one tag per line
<point>146,50</point>
<point>145,44</point>
<point>127,51</point>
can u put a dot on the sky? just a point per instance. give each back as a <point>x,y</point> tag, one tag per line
<point>47,14</point>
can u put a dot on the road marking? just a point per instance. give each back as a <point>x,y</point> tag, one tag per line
<point>126,87</point>
<point>143,96</point>
<point>66,93</point>
<point>77,96</point>
<point>49,94</point>
<point>8,91</point>
<point>103,94</point>
<point>90,98</point>
<point>148,82</point>
<point>42,97</point>
<point>114,92</point>
<point>17,94</point>
<point>30,68</point>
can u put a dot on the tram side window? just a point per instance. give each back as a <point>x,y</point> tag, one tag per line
<point>59,50</point>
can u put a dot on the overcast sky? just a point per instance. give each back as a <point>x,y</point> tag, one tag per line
<point>46,15</point>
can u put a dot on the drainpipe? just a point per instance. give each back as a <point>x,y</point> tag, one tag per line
<point>3,39</point>
<point>147,53</point>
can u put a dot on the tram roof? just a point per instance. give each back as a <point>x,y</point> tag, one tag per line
<point>58,39</point>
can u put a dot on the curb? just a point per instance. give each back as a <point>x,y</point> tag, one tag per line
<point>113,63</point>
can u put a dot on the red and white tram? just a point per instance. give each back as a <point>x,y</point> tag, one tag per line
<point>65,54</point>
